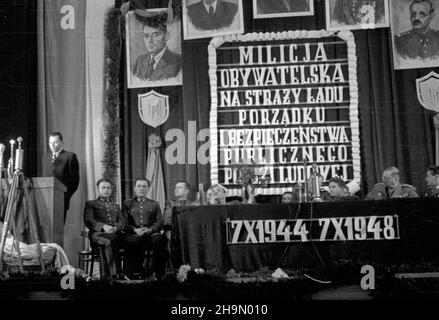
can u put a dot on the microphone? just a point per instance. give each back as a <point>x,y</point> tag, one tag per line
<point>19,155</point>
<point>2,149</point>
<point>11,159</point>
<point>20,140</point>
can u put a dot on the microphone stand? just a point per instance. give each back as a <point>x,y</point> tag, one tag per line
<point>305,184</point>
<point>2,150</point>
<point>11,208</point>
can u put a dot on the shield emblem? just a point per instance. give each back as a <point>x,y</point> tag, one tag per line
<point>153,108</point>
<point>427,89</point>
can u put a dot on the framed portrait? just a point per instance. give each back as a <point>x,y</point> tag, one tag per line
<point>356,14</point>
<point>153,49</point>
<point>210,18</point>
<point>415,33</point>
<point>282,8</point>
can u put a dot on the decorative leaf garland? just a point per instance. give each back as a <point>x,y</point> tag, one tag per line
<point>111,120</point>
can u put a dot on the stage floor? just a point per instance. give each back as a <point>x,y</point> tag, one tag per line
<point>211,290</point>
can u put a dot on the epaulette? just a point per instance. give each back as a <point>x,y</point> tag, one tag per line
<point>403,34</point>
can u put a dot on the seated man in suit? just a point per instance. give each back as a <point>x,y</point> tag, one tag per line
<point>159,63</point>
<point>288,197</point>
<point>432,179</point>
<point>103,219</point>
<point>143,222</point>
<point>181,192</point>
<point>212,14</point>
<point>391,187</point>
<point>338,191</point>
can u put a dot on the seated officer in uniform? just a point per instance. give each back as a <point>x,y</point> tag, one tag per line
<point>102,218</point>
<point>338,191</point>
<point>143,223</point>
<point>432,179</point>
<point>391,187</point>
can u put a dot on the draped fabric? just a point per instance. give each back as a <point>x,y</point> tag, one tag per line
<point>395,129</point>
<point>62,96</point>
<point>71,94</point>
<point>154,171</point>
<point>202,240</point>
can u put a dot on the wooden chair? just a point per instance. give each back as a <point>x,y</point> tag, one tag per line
<point>87,258</point>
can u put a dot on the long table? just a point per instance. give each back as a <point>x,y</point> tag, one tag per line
<point>376,232</point>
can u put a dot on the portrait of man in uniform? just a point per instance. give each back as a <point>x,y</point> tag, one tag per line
<point>415,34</point>
<point>356,14</point>
<point>282,8</point>
<point>208,18</point>
<point>153,49</point>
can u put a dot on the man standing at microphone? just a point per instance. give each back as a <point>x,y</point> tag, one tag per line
<point>62,165</point>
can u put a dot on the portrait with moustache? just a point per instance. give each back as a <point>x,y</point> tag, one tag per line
<point>415,33</point>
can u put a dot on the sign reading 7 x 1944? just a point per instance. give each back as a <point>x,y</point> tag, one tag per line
<point>322,229</point>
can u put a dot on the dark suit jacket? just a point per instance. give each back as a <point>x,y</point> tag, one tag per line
<point>65,169</point>
<point>223,17</point>
<point>168,67</point>
<point>277,6</point>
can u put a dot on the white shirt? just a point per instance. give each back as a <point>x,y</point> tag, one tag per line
<point>212,5</point>
<point>157,57</point>
<point>56,154</point>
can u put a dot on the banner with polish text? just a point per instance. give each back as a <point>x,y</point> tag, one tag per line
<point>279,101</point>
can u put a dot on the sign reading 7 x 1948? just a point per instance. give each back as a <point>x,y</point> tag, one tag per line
<point>322,229</point>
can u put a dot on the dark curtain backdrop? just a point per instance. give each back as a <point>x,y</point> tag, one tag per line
<point>18,78</point>
<point>395,129</point>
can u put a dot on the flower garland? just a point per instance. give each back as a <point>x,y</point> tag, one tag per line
<point>111,118</point>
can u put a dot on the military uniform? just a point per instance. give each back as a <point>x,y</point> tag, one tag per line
<point>433,192</point>
<point>98,213</point>
<point>413,45</point>
<point>139,213</point>
<point>381,192</point>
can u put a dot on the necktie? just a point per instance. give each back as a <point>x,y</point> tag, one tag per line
<point>150,69</point>
<point>389,193</point>
<point>54,157</point>
<point>211,12</point>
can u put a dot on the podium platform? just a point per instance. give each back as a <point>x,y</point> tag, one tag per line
<point>49,194</point>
